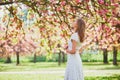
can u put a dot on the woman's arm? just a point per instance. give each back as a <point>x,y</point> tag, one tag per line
<point>74,43</point>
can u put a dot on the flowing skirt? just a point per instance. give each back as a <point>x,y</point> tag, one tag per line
<point>74,69</point>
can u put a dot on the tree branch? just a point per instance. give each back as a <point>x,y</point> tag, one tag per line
<point>6,3</point>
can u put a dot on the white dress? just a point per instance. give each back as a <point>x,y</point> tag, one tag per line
<point>74,69</point>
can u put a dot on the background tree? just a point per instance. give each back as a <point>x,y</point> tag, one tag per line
<point>100,15</point>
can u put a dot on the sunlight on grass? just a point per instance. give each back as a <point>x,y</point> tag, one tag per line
<point>31,66</point>
<point>54,65</point>
<point>100,66</point>
<point>51,71</point>
<point>113,77</point>
<point>31,77</point>
<point>51,77</point>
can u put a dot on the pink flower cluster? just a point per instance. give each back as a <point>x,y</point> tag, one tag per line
<point>101,1</point>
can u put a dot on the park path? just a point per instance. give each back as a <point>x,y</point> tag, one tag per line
<point>86,72</point>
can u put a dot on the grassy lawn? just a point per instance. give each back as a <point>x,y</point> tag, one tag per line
<point>51,71</point>
<point>31,66</point>
<point>31,77</point>
<point>51,77</point>
<point>100,66</point>
<point>54,65</point>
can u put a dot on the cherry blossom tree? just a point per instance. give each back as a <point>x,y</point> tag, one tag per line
<point>54,17</point>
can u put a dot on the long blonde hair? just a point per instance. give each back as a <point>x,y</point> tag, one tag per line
<point>81,29</point>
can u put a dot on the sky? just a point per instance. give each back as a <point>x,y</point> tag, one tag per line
<point>1,12</point>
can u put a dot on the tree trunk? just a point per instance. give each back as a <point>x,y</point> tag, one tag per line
<point>114,56</point>
<point>35,57</point>
<point>105,56</point>
<point>59,58</point>
<point>63,57</point>
<point>8,60</point>
<point>18,58</point>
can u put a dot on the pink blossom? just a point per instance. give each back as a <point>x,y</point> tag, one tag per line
<point>53,1</point>
<point>102,11</point>
<point>78,1</point>
<point>2,29</point>
<point>115,5</point>
<point>101,1</point>
<point>112,1</point>
<point>106,4</point>
<point>114,22</point>
<point>87,0</point>
<point>114,12</point>
<point>58,8</point>
<point>63,3</point>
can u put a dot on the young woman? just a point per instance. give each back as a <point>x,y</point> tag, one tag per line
<point>74,69</point>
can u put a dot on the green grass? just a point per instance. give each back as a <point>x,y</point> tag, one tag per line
<point>100,66</point>
<point>53,66</point>
<point>113,77</point>
<point>30,66</point>
<point>94,62</point>
<point>31,77</point>
<point>51,77</point>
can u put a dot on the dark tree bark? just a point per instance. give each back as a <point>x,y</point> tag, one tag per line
<point>105,56</point>
<point>35,57</point>
<point>59,58</point>
<point>63,57</point>
<point>5,3</point>
<point>8,60</point>
<point>114,56</point>
<point>18,58</point>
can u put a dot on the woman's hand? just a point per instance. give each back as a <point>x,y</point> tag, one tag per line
<point>66,46</point>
